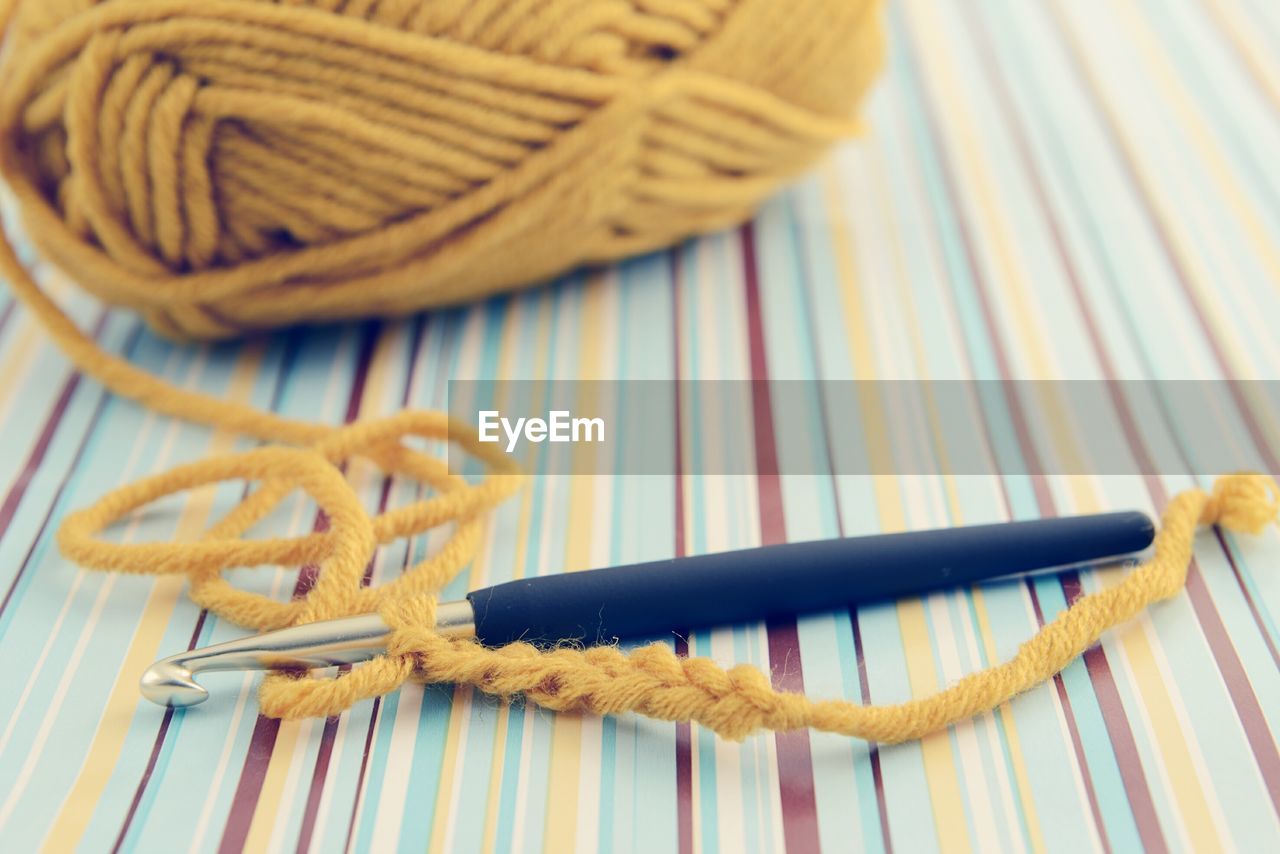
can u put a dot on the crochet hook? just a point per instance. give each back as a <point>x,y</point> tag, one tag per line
<point>675,595</point>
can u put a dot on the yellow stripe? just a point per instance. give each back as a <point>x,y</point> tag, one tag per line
<point>122,704</point>
<point>507,362</point>
<point>1246,45</point>
<point>938,754</point>
<point>1016,757</point>
<point>1048,400</point>
<point>566,734</point>
<point>1220,328</point>
<point>1210,153</point>
<point>956,514</point>
<point>25,340</point>
<point>478,577</point>
<point>500,756</point>
<point>1264,247</point>
<point>496,764</point>
<point>267,810</point>
<point>449,766</point>
<point>1172,740</point>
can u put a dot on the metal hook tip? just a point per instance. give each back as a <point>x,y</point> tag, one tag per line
<point>171,684</point>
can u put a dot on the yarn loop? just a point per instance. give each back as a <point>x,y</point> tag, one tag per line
<point>341,553</point>
<point>1243,503</point>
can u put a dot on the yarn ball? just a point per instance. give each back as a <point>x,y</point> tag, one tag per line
<point>229,165</point>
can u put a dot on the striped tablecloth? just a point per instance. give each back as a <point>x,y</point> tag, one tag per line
<point>1082,190</point>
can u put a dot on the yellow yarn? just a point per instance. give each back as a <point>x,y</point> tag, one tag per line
<point>228,164</point>
<point>223,165</point>
<point>602,680</point>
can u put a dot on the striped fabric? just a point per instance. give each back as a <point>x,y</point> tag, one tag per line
<point>1082,190</point>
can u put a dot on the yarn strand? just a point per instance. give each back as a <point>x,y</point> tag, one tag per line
<point>734,703</point>
<point>651,681</point>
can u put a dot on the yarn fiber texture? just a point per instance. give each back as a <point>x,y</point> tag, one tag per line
<point>601,680</point>
<point>227,165</point>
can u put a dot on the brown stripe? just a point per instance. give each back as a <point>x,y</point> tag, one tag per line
<point>1117,724</point>
<point>684,739</point>
<point>1064,700</point>
<point>146,778</point>
<point>54,504</point>
<point>18,489</point>
<point>1226,658</point>
<point>1264,752</point>
<point>163,732</point>
<point>324,752</point>
<point>1180,274</point>
<point>864,685</point>
<point>318,775</point>
<point>873,750</point>
<point>7,312</point>
<point>265,730</point>
<point>328,735</point>
<point>1237,50</point>
<point>155,754</point>
<point>684,774</point>
<point>1239,687</point>
<point>364,767</point>
<point>261,743</point>
<point>1248,597</point>
<point>236,829</point>
<point>1068,266</point>
<point>795,762</point>
<point>1123,744</point>
<point>1248,709</point>
<point>1077,745</point>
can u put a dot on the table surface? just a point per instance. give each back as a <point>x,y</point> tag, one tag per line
<point>1082,190</point>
